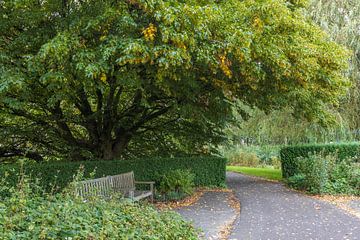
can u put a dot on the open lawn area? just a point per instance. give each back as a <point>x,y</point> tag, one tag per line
<point>268,173</point>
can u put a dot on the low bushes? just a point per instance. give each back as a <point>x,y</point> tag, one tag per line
<point>242,158</point>
<point>291,155</point>
<point>252,156</point>
<point>29,214</point>
<point>320,174</point>
<point>175,185</point>
<point>208,171</point>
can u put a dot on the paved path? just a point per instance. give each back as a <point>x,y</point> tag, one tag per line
<point>271,211</point>
<point>355,206</point>
<point>211,213</point>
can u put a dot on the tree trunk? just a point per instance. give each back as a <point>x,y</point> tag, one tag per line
<point>111,150</point>
<point>106,151</point>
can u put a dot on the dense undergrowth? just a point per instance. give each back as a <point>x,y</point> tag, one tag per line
<point>30,213</point>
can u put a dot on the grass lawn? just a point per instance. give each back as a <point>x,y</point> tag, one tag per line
<point>273,174</point>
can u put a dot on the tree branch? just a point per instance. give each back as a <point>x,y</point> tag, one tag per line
<point>15,152</point>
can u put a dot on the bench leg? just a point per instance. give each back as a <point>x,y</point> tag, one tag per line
<point>152,192</point>
<point>131,195</point>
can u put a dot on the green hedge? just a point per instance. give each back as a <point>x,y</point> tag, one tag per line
<point>209,171</point>
<point>290,154</point>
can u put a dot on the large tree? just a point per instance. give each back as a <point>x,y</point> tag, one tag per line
<point>91,76</point>
<point>341,19</point>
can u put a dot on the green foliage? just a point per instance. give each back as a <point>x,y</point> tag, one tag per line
<point>90,78</point>
<point>207,171</point>
<point>276,162</point>
<point>290,155</point>
<point>243,158</point>
<point>176,184</point>
<point>319,174</point>
<point>282,127</point>
<point>341,19</point>
<point>251,156</point>
<point>297,181</point>
<point>316,168</point>
<point>26,214</point>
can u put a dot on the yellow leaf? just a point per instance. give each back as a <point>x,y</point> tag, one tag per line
<point>103,77</point>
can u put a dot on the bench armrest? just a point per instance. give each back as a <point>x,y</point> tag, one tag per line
<point>151,187</point>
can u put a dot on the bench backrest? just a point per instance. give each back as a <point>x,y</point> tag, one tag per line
<point>105,186</point>
<point>124,182</point>
<point>95,187</point>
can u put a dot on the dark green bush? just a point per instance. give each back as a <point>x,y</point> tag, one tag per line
<point>28,214</point>
<point>297,182</point>
<point>290,155</point>
<point>208,171</point>
<point>176,184</point>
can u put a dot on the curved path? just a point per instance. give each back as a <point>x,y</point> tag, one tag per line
<point>211,214</point>
<point>271,211</point>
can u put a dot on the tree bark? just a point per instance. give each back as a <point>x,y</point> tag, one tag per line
<point>113,149</point>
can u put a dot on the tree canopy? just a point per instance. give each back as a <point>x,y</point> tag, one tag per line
<point>96,78</point>
<point>341,19</point>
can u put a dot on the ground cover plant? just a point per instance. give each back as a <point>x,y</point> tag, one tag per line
<point>28,213</point>
<point>268,173</point>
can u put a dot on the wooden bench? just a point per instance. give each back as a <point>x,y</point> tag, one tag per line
<point>124,184</point>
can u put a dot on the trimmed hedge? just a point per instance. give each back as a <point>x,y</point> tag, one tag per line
<point>289,155</point>
<point>209,171</point>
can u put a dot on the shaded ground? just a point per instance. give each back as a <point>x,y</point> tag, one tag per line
<point>271,211</point>
<point>212,213</point>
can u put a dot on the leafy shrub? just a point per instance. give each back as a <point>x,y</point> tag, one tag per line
<point>355,177</point>
<point>297,181</point>
<point>275,162</point>
<point>344,178</point>
<point>290,155</point>
<point>26,214</point>
<point>246,159</point>
<point>251,156</point>
<point>267,152</point>
<point>316,168</point>
<point>208,171</point>
<point>176,184</point>
<point>321,174</point>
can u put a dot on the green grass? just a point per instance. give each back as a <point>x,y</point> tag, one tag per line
<point>268,173</point>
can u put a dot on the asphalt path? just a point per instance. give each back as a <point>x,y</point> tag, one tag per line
<point>269,210</point>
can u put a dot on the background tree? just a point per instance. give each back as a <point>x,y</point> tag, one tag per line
<point>341,19</point>
<point>95,77</point>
